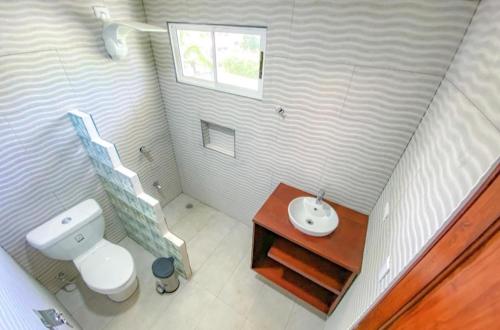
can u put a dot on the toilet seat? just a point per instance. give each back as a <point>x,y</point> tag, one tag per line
<point>108,268</point>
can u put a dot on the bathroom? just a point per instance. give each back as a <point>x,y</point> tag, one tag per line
<point>206,133</point>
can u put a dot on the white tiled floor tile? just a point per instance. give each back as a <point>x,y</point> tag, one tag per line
<point>176,209</point>
<point>207,240</point>
<point>249,325</point>
<point>238,241</point>
<point>305,318</point>
<point>187,309</point>
<point>219,267</point>
<point>191,224</point>
<point>220,316</point>
<point>91,318</point>
<point>143,309</point>
<point>242,289</point>
<point>271,310</point>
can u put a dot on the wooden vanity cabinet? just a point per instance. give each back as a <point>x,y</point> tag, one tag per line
<point>318,270</point>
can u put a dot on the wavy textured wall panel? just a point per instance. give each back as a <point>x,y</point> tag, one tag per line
<point>355,78</point>
<point>476,67</point>
<point>52,60</point>
<point>453,149</point>
<point>20,294</point>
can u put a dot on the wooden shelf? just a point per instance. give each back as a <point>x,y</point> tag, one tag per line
<point>310,265</point>
<point>301,287</point>
<point>318,270</point>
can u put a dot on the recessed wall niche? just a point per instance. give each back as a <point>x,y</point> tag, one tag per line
<point>218,138</point>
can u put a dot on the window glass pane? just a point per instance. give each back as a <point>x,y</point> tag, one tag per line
<point>238,59</point>
<point>195,48</point>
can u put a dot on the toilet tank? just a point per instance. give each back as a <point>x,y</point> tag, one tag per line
<point>71,233</point>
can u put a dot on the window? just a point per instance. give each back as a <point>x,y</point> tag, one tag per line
<point>224,58</point>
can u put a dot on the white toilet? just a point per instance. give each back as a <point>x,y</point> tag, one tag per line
<point>77,234</point>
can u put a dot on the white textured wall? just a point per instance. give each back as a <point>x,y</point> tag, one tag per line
<point>20,294</point>
<point>454,147</point>
<point>52,60</point>
<point>355,78</point>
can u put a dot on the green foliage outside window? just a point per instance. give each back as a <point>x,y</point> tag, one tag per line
<point>245,68</point>
<point>193,56</point>
<point>250,43</point>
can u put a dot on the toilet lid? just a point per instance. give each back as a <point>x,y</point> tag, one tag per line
<point>108,268</point>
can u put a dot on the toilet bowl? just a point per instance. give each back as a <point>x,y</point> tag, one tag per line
<point>108,269</point>
<point>77,235</point>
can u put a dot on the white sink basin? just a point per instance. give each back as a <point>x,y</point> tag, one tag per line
<point>311,218</point>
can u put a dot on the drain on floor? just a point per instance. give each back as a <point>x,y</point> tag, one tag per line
<point>189,206</point>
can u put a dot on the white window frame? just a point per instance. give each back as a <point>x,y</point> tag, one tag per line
<point>260,31</point>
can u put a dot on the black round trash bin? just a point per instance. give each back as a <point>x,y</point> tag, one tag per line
<point>166,279</point>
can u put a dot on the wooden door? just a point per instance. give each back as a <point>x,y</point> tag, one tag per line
<point>455,283</point>
<point>468,298</point>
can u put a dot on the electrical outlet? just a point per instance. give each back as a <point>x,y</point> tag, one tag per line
<point>101,12</point>
<point>387,210</point>
<point>384,269</point>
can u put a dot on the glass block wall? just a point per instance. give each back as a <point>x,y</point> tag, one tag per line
<point>140,213</point>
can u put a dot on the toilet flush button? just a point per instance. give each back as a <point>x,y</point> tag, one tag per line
<point>79,238</point>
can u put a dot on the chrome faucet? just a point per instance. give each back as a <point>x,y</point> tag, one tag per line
<point>157,185</point>
<point>320,196</point>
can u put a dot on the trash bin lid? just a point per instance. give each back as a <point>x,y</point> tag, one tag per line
<point>163,267</point>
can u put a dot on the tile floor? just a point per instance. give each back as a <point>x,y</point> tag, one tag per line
<point>224,293</point>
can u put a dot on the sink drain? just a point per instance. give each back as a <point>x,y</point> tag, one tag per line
<point>309,222</point>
